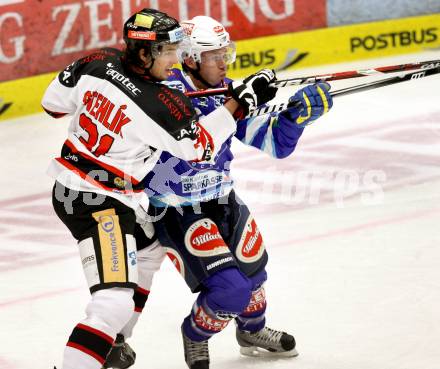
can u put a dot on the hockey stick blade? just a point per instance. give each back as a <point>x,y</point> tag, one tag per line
<point>329,77</point>
<point>354,89</point>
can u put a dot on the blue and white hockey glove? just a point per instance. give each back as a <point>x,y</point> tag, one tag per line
<point>309,104</point>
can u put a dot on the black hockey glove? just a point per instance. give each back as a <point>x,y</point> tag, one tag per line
<point>254,90</point>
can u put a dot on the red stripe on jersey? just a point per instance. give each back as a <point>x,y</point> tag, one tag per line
<point>54,114</point>
<point>91,180</point>
<point>100,359</point>
<point>110,168</point>
<point>99,333</point>
<point>143,291</point>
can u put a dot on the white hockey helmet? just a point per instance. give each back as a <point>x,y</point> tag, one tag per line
<point>205,34</point>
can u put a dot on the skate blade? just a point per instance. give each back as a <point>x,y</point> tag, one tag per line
<point>259,352</point>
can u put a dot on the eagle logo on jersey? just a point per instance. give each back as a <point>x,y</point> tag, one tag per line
<point>205,142</point>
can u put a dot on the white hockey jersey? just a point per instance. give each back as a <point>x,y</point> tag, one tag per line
<point>121,123</point>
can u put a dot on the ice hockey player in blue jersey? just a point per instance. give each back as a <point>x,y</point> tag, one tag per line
<point>207,230</point>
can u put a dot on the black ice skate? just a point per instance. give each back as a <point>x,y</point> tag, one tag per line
<point>196,353</point>
<point>266,342</point>
<point>121,356</point>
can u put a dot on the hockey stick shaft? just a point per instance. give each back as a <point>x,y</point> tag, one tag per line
<point>354,89</point>
<point>329,77</point>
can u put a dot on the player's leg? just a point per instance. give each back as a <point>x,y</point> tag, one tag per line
<point>223,296</point>
<point>201,255</point>
<point>150,255</point>
<point>253,336</point>
<point>108,253</point>
<point>248,247</point>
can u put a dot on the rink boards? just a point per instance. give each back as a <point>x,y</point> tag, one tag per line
<point>279,52</point>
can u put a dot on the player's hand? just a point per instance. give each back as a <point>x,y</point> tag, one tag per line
<point>309,103</point>
<point>254,90</point>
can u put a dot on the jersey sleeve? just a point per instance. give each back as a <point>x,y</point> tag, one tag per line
<point>221,124</point>
<point>177,129</point>
<point>58,99</point>
<point>272,133</point>
<point>203,138</point>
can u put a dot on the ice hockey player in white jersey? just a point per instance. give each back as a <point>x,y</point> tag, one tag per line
<point>121,121</point>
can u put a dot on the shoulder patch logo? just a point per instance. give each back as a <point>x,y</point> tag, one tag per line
<point>66,75</point>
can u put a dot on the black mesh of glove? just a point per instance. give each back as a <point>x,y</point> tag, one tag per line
<point>254,90</point>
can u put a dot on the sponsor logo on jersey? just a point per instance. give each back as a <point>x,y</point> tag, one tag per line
<point>65,76</point>
<point>189,132</point>
<point>105,112</point>
<point>177,261</point>
<point>394,39</point>
<point>204,239</point>
<point>177,107</point>
<point>72,157</point>
<point>122,80</point>
<point>120,183</point>
<point>204,321</point>
<point>101,55</point>
<point>201,181</point>
<point>251,247</point>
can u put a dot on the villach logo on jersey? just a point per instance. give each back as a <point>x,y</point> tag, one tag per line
<point>4,106</point>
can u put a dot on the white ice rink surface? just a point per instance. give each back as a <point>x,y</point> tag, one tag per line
<point>351,222</point>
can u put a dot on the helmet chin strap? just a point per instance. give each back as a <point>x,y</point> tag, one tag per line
<point>147,71</point>
<point>196,74</point>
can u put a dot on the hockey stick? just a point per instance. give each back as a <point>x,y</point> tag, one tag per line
<point>353,89</point>
<point>329,77</point>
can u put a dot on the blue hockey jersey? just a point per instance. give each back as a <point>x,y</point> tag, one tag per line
<point>175,182</point>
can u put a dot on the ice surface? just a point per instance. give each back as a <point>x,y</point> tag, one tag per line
<point>351,222</point>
